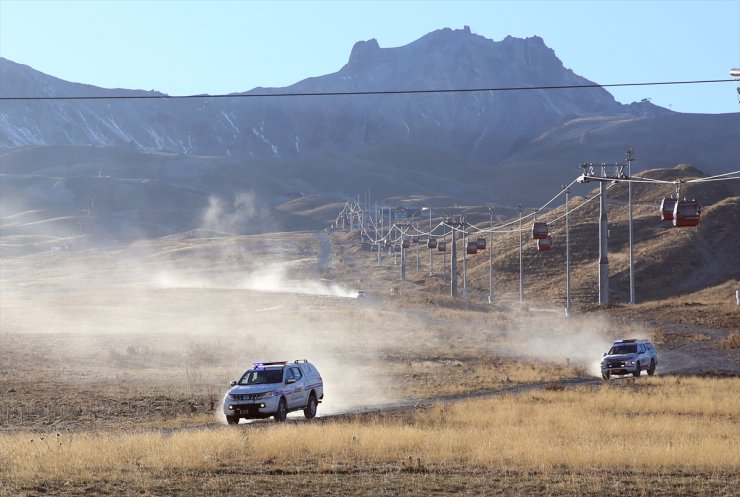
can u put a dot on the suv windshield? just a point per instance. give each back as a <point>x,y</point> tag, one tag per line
<point>623,349</point>
<point>262,376</point>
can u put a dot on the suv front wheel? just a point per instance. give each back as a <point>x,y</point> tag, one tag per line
<point>651,369</point>
<point>282,411</point>
<point>637,371</point>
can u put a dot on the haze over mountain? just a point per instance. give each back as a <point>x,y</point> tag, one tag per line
<point>480,146</point>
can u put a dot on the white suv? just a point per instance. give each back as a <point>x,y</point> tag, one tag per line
<point>274,389</point>
<point>629,356</point>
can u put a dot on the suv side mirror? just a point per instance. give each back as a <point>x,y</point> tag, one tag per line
<point>232,383</point>
<point>604,354</point>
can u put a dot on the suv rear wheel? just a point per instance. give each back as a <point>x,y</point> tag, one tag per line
<point>310,411</point>
<point>282,411</point>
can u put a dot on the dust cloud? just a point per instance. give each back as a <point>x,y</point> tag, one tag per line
<point>245,213</point>
<point>272,279</point>
<point>578,341</point>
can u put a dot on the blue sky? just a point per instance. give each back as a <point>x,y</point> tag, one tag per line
<point>188,47</point>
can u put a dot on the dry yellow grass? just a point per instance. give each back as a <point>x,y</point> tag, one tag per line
<point>653,425</point>
<point>427,378</point>
<point>732,341</point>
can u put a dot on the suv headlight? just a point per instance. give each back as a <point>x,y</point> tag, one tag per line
<point>631,363</point>
<point>230,397</point>
<point>263,395</point>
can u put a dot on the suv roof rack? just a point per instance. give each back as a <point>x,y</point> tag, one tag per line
<point>300,360</point>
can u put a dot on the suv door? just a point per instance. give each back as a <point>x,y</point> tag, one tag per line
<point>643,356</point>
<point>296,392</point>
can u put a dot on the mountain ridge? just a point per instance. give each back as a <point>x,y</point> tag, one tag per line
<point>487,147</point>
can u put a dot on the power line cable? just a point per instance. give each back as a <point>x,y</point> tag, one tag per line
<point>360,93</point>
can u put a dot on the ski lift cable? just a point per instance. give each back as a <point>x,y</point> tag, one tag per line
<point>498,228</point>
<point>625,180</point>
<point>716,177</point>
<point>494,228</point>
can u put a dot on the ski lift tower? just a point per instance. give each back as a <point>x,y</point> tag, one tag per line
<point>605,173</point>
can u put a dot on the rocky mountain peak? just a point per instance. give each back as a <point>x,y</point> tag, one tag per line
<point>364,53</point>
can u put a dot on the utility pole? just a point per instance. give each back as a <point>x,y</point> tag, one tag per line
<point>417,248</point>
<point>603,247</point>
<point>465,266</point>
<point>431,261</point>
<point>403,261</point>
<point>618,175</point>
<point>453,265</point>
<point>490,260</point>
<point>521,259</point>
<point>444,265</point>
<point>629,214</point>
<point>567,256</point>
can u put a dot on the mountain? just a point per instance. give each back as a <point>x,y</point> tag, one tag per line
<point>478,126</point>
<point>152,166</point>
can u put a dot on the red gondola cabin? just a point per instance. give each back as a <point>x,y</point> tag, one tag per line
<point>540,231</point>
<point>666,208</point>
<point>472,248</point>
<point>686,213</point>
<point>544,244</point>
<point>480,243</point>
<point>431,243</point>
<point>442,246</point>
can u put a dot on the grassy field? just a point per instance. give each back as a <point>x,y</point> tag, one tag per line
<point>656,436</point>
<point>113,364</point>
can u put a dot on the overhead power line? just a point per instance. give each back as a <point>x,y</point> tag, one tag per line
<point>359,93</point>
